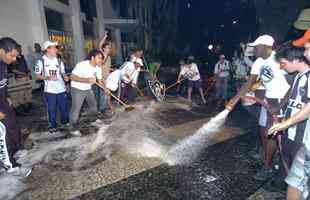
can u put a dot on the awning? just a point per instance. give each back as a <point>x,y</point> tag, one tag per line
<point>126,25</point>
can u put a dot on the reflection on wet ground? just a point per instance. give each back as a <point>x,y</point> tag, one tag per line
<point>228,165</point>
<point>222,171</point>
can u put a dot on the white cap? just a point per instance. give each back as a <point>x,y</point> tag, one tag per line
<point>138,60</point>
<point>48,44</point>
<point>264,40</point>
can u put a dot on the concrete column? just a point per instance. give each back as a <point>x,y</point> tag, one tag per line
<point>77,29</point>
<point>100,17</point>
<point>38,20</point>
<point>118,42</point>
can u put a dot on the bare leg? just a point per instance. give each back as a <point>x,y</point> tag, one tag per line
<point>189,93</point>
<point>292,193</point>
<point>202,96</point>
<point>264,142</point>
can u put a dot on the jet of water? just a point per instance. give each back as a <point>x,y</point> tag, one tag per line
<point>187,150</point>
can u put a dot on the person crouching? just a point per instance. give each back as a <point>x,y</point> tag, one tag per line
<point>129,78</point>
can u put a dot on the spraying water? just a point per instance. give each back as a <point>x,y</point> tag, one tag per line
<point>187,150</point>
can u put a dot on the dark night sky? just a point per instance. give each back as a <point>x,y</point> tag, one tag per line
<point>213,22</point>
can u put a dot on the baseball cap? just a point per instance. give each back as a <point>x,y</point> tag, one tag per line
<point>303,21</point>
<point>139,61</point>
<point>49,43</point>
<point>264,40</point>
<point>301,41</point>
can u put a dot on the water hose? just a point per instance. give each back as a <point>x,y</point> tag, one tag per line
<point>275,120</point>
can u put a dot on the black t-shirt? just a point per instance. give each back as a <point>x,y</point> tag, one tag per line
<point>3,86</point>
<point>20,65</point>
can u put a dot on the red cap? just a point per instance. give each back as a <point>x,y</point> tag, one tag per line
<point>301,41</point>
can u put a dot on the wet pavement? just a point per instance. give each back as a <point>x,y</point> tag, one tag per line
<point>223,171</point>
<point>228,163</point>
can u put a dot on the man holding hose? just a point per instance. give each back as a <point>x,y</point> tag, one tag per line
<point>268,71</point>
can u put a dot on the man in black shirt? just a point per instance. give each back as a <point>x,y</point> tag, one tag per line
<point>10,136</point>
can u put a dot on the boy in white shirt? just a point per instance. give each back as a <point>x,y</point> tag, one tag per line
<point>296,126</point>
<point>84,75</point>
<point>190,71</point>
<point>129,78</point>
<point>52,71</point>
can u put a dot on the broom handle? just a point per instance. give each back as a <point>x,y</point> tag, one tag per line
<point>110,93</point>
<point>139,91</point>
<point>172,85</point>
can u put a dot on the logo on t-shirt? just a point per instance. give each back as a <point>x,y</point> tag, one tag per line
<point>266,74</point>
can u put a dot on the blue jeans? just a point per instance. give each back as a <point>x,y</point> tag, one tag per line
<point>101,98</point>
<point>52,102</point>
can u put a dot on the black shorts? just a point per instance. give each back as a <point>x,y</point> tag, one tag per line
<point>194,84</point>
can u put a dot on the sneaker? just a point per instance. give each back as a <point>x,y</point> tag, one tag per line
<point>65,126</point>
<point>263,174</point>
<point>275,185</point>
<point>20,154</point>
<point>52,130</point>
<point>76,133</point>
<point>254,154</point>
<point>98,122</point>
<point>20,171</point>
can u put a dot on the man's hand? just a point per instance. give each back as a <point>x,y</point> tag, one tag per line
<point>91,81</point>
<point>232,102</point>
<point>66,78</point>
<point>280,126</point>
<point>256,85</point>
<point>2,115</point>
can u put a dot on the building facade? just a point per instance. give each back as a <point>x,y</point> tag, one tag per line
<point>66,21</point>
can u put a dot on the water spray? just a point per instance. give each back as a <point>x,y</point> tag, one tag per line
<point>188,149</point>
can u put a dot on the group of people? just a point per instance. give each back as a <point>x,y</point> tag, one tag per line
<point>91,81</point>
<point>285,111</point>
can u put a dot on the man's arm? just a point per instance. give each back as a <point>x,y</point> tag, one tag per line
<point>244,89</point>
<point>300,116</point>
<point>82,80</point>
<point>102,41</point>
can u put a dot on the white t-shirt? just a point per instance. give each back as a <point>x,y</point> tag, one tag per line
<point>272,76</point>
<point>113,79</point>
<point>306,139</point>
<point>51,68</point>
<point>85,70</point>
<point>222,69</point>
<point>130,70</point>
<point>190,71</point>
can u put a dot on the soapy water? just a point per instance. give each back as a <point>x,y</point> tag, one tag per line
<point>136,133</point>
<point>188,149</point>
